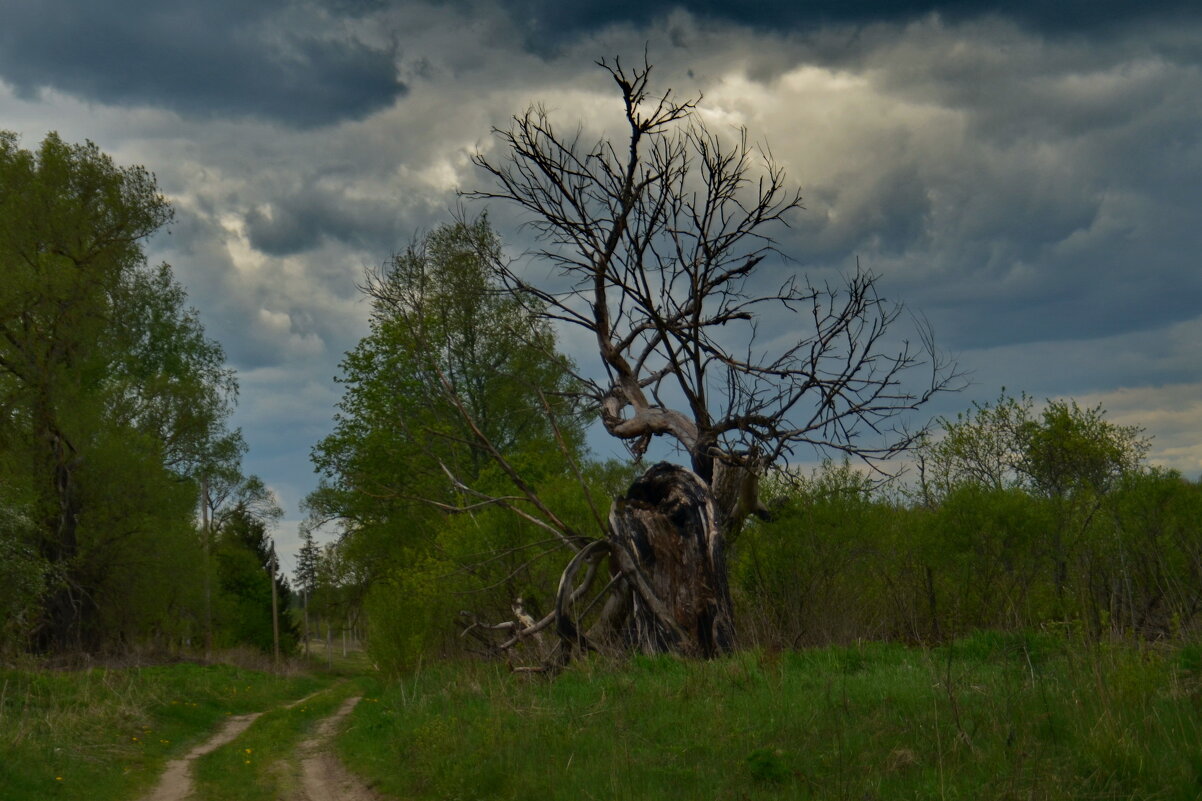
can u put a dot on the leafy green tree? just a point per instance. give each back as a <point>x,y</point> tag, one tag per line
<point>305,577</point>
<point>165,377</point>
<point>1065,457</point>
<point>246,568</point>
<point>448,356</point>
<point>71,226</point>
<point>1061,451</point>
<point>1075,452</point>
<point>441,333</point>
<point>226,489</point>
<point>1153,581</point>
<point>982,447</point>
<point>111,392</point>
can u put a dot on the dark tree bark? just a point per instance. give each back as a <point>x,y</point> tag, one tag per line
<point>665,539</point>
<point>67,607</point>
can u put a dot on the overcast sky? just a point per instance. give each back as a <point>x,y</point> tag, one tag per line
<point>1026,175</point>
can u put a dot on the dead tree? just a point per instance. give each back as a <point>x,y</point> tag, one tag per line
<point>656,241</point>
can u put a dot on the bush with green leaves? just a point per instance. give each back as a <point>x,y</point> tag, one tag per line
<point>1022,518</point>
<point>23,577</point>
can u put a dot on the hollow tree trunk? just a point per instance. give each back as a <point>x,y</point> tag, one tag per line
<point>664,537</point>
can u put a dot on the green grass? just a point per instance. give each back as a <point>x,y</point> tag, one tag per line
<point>103,735</point>
<point>258,765</point>
<point>991,717</point>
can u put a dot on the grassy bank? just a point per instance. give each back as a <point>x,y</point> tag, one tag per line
<point>990,717</point>
<point>104,735</point>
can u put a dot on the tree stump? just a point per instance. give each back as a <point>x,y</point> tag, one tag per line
<point>665,540</point>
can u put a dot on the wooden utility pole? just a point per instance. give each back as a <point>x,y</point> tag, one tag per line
<point>275,607</point>
<point>305,607</point>
<point>206,537</point>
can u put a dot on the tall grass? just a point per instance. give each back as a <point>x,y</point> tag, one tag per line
<point>993,716</point>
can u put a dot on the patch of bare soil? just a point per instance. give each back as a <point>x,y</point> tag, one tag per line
<point>176,782</point>
<point>323,778</point>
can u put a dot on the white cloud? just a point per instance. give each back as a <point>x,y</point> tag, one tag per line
<point>1170,414</point>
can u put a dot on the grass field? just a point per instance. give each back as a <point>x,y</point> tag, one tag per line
<point>105,734</point>
<point>991,717</point>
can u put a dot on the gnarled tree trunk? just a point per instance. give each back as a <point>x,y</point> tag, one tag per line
<point>665,540</point>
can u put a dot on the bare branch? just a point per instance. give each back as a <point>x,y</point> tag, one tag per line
<point>659,241</point>
<point>660,238</point>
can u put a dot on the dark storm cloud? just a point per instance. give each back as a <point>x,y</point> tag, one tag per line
<point>276,60</point>
<point>549,20</point>
<point>297,223</point>
<point>1012,188</point>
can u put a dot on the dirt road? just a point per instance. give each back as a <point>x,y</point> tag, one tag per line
<point>321,776</point>
<point>176,782</point>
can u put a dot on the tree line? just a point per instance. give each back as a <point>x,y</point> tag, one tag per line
<point>1016,517</point>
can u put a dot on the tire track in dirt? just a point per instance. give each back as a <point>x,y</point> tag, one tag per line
<point>323,778</point>
<point>176,782</point>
